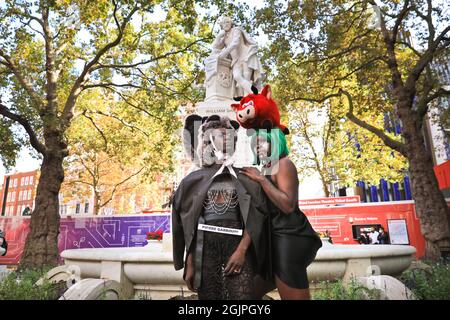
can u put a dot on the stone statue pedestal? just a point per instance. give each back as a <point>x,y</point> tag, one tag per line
<point>219,79</point>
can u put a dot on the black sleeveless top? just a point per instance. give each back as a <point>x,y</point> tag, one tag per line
<point>295,223</point>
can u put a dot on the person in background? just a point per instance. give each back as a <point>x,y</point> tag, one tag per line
<point>373,235</point>
<point>363,238</point>
<point>383,236</point>
<point>328,235</point>
<point>3,244</point>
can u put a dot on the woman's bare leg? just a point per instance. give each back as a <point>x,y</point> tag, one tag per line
<point>262,287</point>
<point>288,293</point>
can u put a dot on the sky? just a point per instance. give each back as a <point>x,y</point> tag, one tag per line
<point>24,163</point>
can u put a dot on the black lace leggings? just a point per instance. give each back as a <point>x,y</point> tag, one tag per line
<point>217,249</point>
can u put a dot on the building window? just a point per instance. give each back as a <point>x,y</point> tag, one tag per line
<point>29,194</point>
<point>86,207</point>
<point>13,196</point>
<point>26,181</point>
<point>15,183</point>
<point>31,180</point>
<point>77,210</point>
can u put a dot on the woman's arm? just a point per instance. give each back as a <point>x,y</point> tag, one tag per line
<point>285,196</point>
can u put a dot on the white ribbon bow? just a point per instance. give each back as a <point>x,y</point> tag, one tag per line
<point>228,161</point>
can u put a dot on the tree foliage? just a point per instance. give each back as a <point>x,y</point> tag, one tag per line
<point>114,149</point>
<point>55,54</point>
<point>319,48</point>
<point>369,59</point>
<point>338,150</point>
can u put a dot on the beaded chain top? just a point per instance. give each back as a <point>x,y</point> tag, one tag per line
<point>221,197</point>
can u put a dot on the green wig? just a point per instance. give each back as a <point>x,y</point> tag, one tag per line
<point>278,144</point>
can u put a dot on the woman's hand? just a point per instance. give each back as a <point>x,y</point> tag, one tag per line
<point>189,278</point>
<point>235,263</point>
<point>253,174</point>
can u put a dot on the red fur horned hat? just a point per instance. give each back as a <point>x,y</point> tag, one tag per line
<point>258,111</point>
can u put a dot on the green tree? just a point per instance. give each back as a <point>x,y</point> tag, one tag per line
<point>360,55</point>
<point>340,152</point>
<point>54,52</point>
<point>114,149</point>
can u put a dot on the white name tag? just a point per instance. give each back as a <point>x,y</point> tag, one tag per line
<point>210,228</point>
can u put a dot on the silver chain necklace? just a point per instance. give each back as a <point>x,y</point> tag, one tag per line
<point>229,196</point>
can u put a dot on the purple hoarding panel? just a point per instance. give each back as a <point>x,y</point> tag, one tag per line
<point>86,232</point>
<point>110,232</point>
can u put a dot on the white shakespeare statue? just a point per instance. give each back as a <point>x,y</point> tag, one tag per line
<point>233,66</point>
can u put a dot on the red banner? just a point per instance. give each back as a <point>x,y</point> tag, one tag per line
<point>16,231</point>
<point>343,222</point>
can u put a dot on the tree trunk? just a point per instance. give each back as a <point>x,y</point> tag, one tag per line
<point>96,203</point>
<point>325,186</point>
<point>41,246</point>
<point>430,204</point>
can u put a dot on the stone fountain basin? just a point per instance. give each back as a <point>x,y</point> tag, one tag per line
<point>346,261</point>
<point>140,265</point>
<point>150,268</point>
